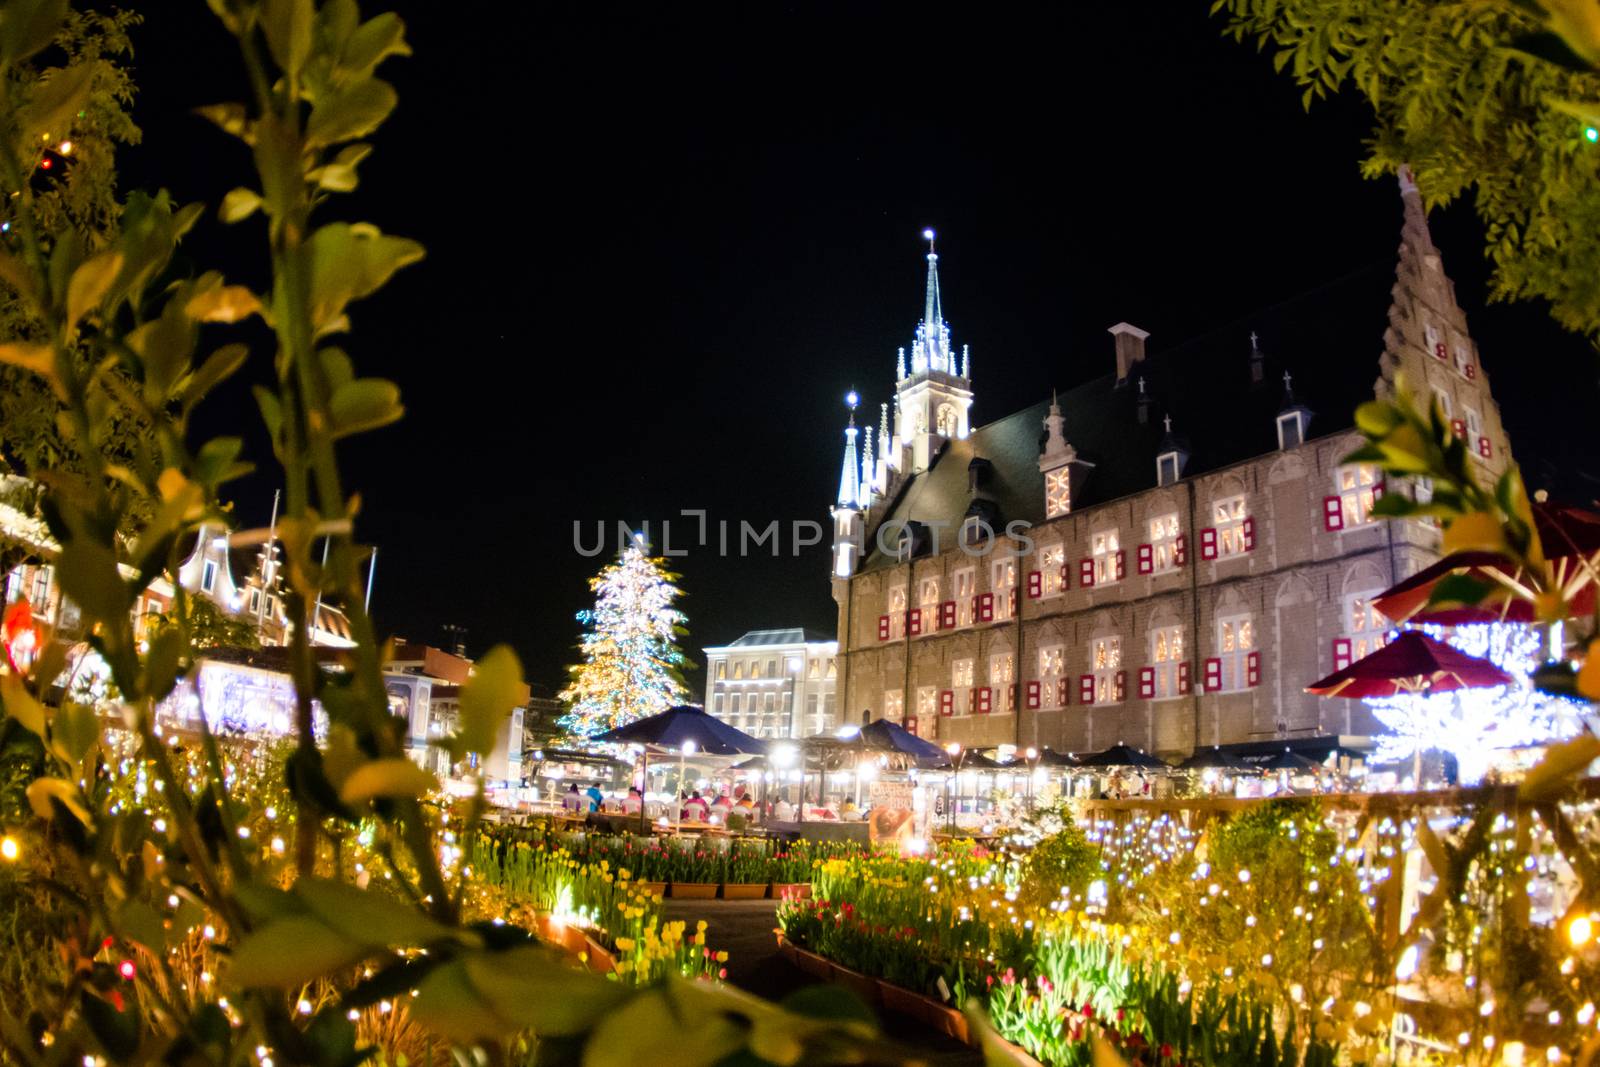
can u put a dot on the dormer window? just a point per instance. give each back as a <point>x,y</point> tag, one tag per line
<point>1058,492</point>
<point>902,548</point>
<point>1291,430</point>
<point>208,576</point>
<point>1169,467</point>
<point>974,531</point>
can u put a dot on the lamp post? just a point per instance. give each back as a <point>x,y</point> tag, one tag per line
<point>955,752</point>
<point>1031,754</point>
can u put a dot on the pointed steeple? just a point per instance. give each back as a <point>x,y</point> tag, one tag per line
<point>849,486</point>
<point>1056,449</point>
<point>868,468</point>
<point>1414,230</point>
<point>932,311</point>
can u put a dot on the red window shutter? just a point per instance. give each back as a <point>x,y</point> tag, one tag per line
<point>1332,513</point>
<point>911,725</point>
<point>1378,490</point>
<point>1143,560</point>
<point>1341,653</point>
<point>1122,685</point>
<point>1086,689</point>
<point>947,615</point>
<point>1249,529</point>
<point>1122,564</point>
<point>947,702</point>
<point>883,627</point>
<point>985,696</point>
<point>1183,678</point>
<point>1485,449</point>
<point>1066,577</point>
<point>972,701</point>
<point>1252,669</point>
<point>1147,683</point>
<point>1208,543</point>
<point>1011,697</point>
<point>1063,692</point>
<point>1440,351</point>
<point>1033,696</point>
<point>1213,679</point>
<point>1470,370</point>
<point>1035,585</point>
<point>1011,599</point>
<point>1459,428</point>
<point>1180,550</point>
<point>1086,572</point>
<point>986,607</point>
<point>914,621</point>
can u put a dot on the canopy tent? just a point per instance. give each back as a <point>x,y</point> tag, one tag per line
<point>1216,758</point>
<point>683,729</point>
<point>1288,760</point>
<point>1411,663</point>
<point>1123,756</point>
<point>892,735</point>
<point>1570,537</point>
<point>1049,757</point>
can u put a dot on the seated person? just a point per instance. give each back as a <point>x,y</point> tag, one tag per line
<point>695,809</point>
<point>574,801</point>
<point>633,802</point>
<point>783,811</point>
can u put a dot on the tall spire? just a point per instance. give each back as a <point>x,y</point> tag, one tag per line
<point>849,486</point>
<point>932,312</point>
<point>868,467</point>
<point>1414,231</point>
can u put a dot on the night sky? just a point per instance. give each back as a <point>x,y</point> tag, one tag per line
<point>664,240</point>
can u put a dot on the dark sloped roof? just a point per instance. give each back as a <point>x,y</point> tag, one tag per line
<point>1329,340</point>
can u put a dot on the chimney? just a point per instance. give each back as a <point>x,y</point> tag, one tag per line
<point>1130,347</point>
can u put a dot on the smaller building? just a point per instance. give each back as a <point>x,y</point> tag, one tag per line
<point>774,683</point>
<point>424,685</point>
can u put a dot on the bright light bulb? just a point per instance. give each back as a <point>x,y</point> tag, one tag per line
<point>927,235</point>
<point>9,849</point>
<point>852,398</point>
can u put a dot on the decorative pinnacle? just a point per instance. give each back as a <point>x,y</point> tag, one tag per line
<point>927,235</point>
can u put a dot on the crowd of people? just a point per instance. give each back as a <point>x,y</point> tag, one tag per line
<point>712,807</point>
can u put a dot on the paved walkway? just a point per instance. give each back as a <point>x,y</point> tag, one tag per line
<point>744,929</point>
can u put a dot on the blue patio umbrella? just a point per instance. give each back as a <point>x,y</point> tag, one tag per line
<point>681,729</point>
<point>883,733</point>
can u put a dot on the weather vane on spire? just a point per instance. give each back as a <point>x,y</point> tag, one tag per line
<point>927,235</point>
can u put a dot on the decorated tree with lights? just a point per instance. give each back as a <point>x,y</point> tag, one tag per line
<point>1470,723</point>
<point>631,662</point>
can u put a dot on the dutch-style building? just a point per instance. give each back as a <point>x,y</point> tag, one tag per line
<point>774,683</point>
<point>1164,556</point>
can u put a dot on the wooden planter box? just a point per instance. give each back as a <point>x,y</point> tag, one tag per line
<point>600,959</point>
<point>859,984</point>
<point>744,890</point>
<point>931,1013</point>
<point>693,890</point>
<point>792,890</point>
<point>658,888</point>
<point>811,963</point>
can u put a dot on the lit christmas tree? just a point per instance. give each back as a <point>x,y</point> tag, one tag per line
<point>1470,723</point>
<point>631,661</point>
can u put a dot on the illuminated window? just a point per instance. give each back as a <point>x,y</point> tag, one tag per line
<point>1106,655</point>
<point>1441,400</point>
<point>1358,487</point>
<point>813,668</point>
<point>1164,542</point>
<point>928,602</point>
<point>1364,624</point>
<point>1003,583</point>
<point>1000,670</point>
<point>832,669</point>
<point>897,611</point>
<point>1052,558</point>
<point>1236,639</point>
<point>961,683</point>
<point>722,670</point>
<point>894,705</point>
<point>755,668</point>
<point>39,596</point>
<point>1166,652</point>
<point>1228,514</point>
<point>963,586</point>
<point>1474,431</point>
<point>1052,665</point>
<point>927,701</point>
<point>1105,547</point>
<point>738,670</point>
<point>1058,492</point>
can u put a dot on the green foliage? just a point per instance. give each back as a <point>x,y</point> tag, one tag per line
<point>1487,98</point>
<point>208,626</point>
<point>1063,861</point>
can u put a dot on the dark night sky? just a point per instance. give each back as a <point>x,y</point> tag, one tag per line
<point>664,240</point>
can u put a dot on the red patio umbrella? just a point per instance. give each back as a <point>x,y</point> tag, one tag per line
<point>1411,663</point>
<point>1571,540</point>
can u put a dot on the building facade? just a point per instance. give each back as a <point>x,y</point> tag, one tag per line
<point>1165,556</point>
<point>774,683</point>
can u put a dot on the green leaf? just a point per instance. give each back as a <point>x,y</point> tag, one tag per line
<point>368,916</point>
<point>165,347</point>
<point>271,412</point>
<point>291,950</point>
<point>75,732</point>
<point>20,704</point>
<point>218,367</point>
<point>347,262</point>
<point>55,104</point>
<point>392,777</point>
<point>831,1002</point>
<point>1459,589</point>
<point>217,461</point>
<point>28,26</point>
<point>534,988</point>
<point>116,1031</point>
<point>653,1028</point>
<point>448,1004</point>
<point>494,688</point>
<point>141,922</point>
<point>372,42</point>
<point>364,404</point>
<point>89,577</point>
<point>167,650</point>
<point>350,113</point>
<point>89,285</point>
<point>239,204</point>
<point>286,24</point>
